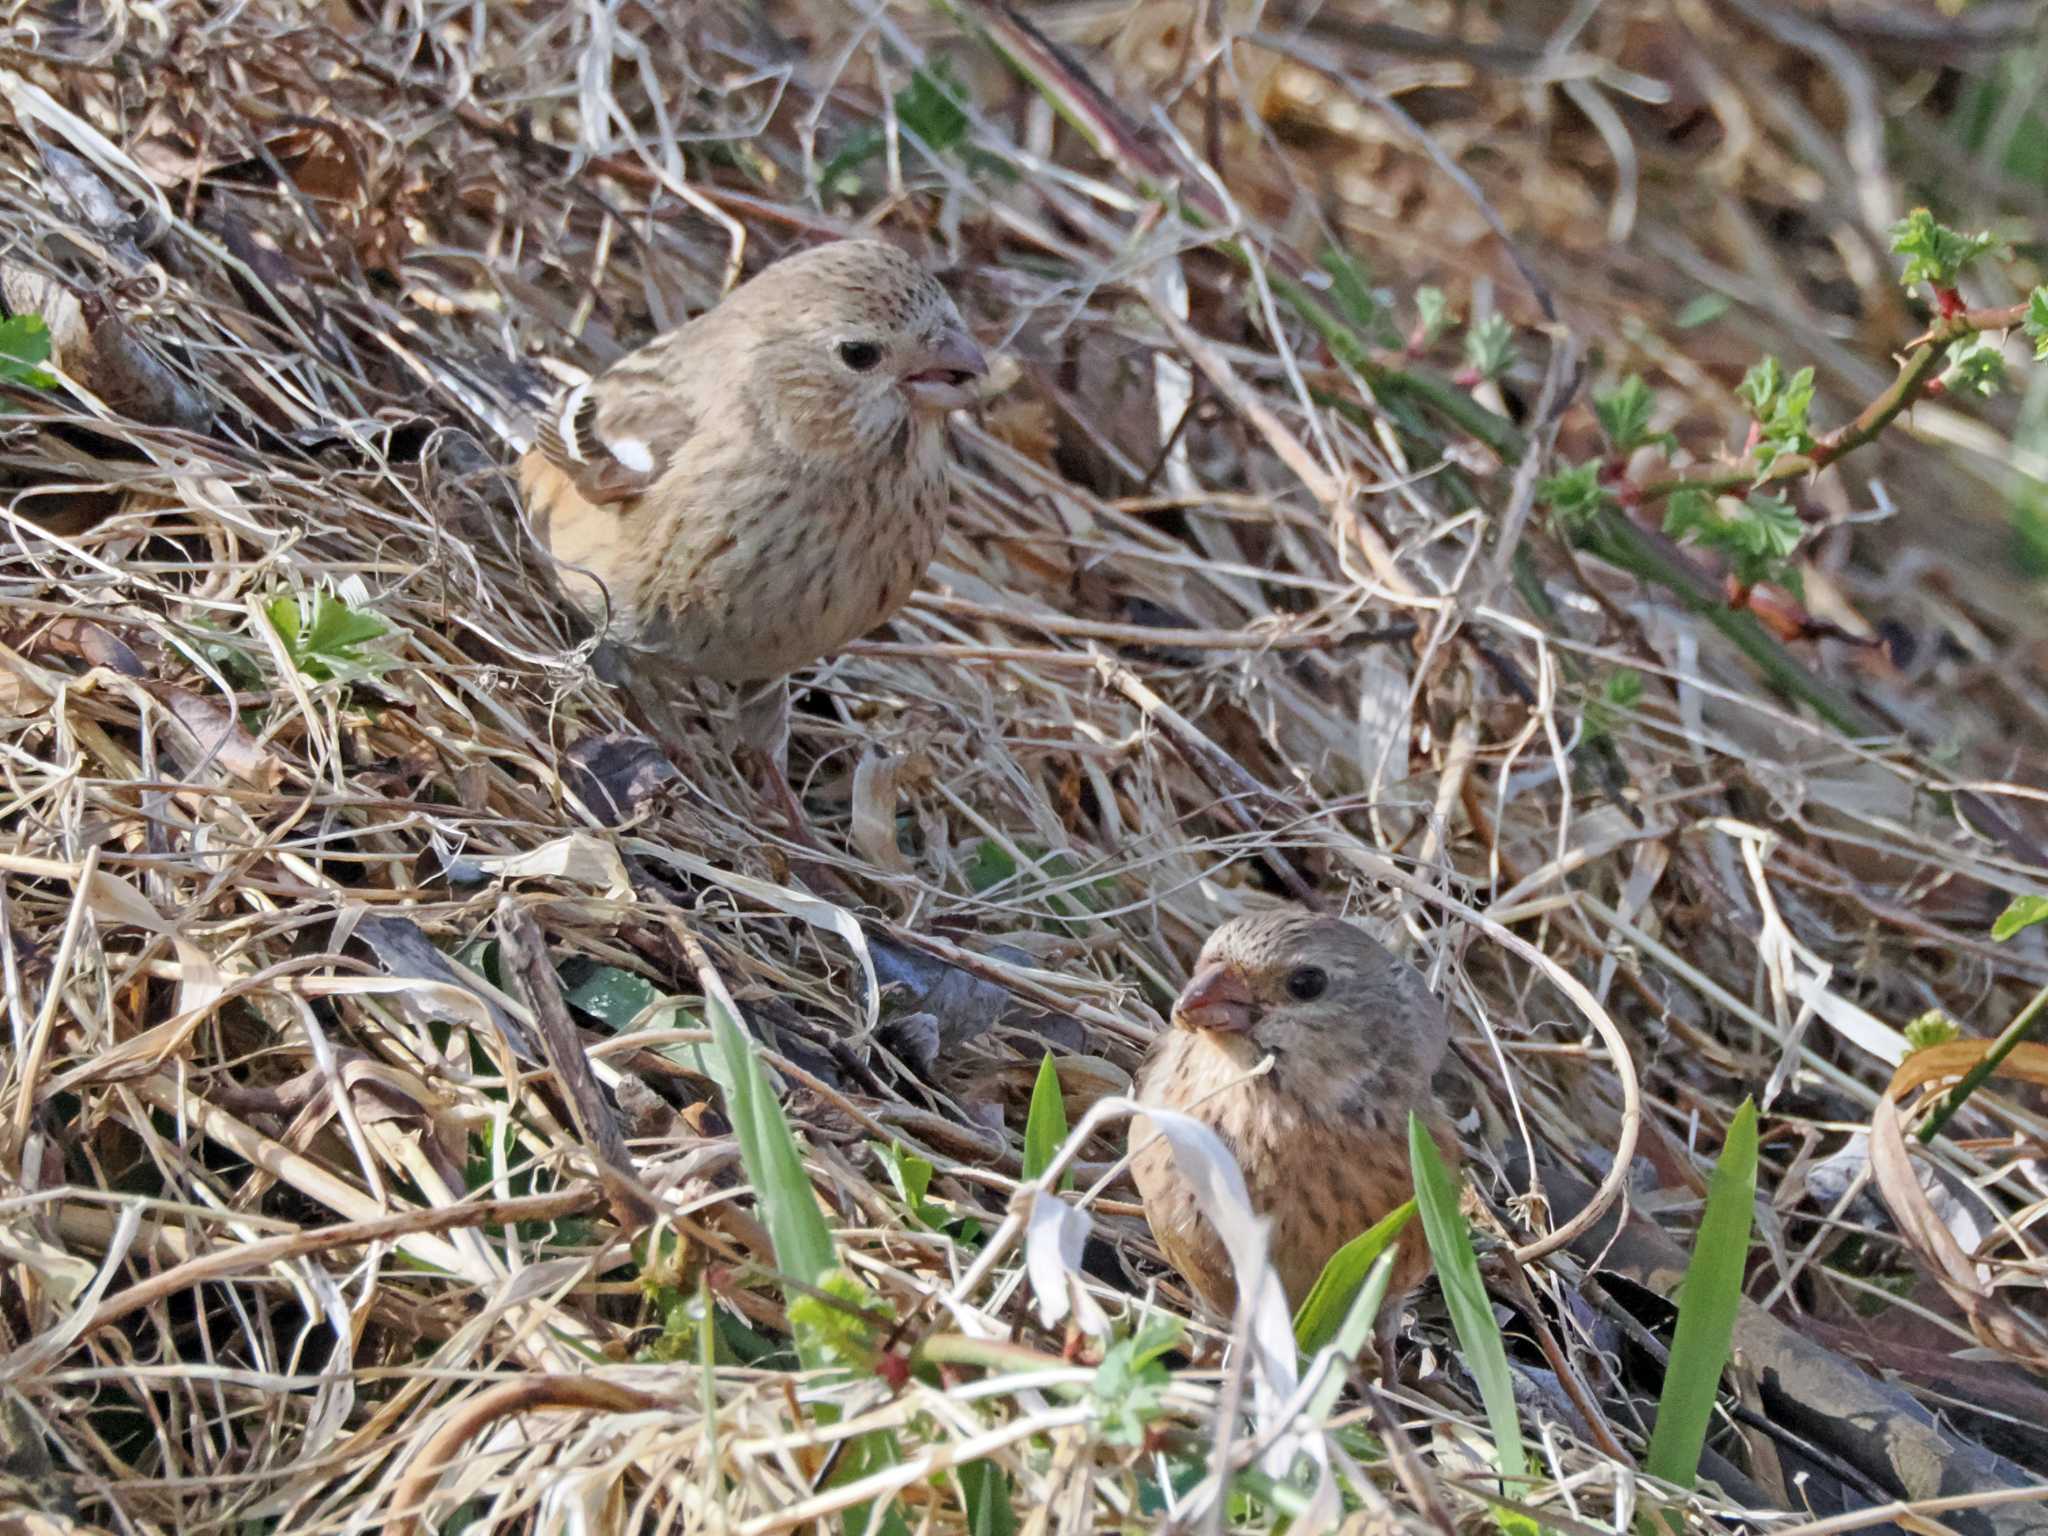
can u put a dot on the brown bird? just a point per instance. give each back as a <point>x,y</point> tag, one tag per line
<point>1322,1138</point>
<point>748,492</point>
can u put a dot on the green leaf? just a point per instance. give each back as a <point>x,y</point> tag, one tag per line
<point>616,996</point>
<point>1353,1328</point>
<point>1433,313</point>
<point>1708,1304</point>
<point>985,1493</point>
<point>283,613</point>
<point>769,1153</point>
<point>1490,346</point>
<point>1704,310</point>
<point>1770,528</point>
<point>911,1177</point>
<point>1932,1028</point>
<point>330,647</point>
<point>2036,323</point>
<point>1688,511</point>
<point>1574,494</point>
<point>1457,1268</point>
<point>1620,693</point>
<point>1329,1301</point>
<point>338,627</point>
<point>2020,912</point>
<point>1130,1385</point>
<point>1974,365</point>
<point>25,342</point>
<point>1046,1127</point>
<point>932,109</point>
<point>1050,878</point>
<point>1760,386</point>
<point>1757,538</point>
<point>838,1335</point>
<point>1624,413</point>
<point>1935,253</point>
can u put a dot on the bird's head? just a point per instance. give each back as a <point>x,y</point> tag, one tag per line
<point>1325,998</point>
<point>855,343</point>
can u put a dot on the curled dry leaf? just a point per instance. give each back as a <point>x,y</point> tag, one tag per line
<point>577,859</point>
<point>1970,1281</point>
<point>1219,1189</point>
<point>95,645</point>
<point>1054,1236</point>
<point>874,809</point>
<point>213,733</point>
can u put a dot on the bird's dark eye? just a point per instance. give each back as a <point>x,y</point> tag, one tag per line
<point>860,356</point>
<point>1305,983</point>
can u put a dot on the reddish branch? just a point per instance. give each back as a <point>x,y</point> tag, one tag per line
<point>1916,380</point>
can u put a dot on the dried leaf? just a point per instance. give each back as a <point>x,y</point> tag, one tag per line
<point>214,733</point>
<point>874,809</point>
<point>579,859</point>
<point>1969,1283</point>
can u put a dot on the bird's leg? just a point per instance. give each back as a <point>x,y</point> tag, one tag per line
<point>657,703</point>
<point>1384,1328</point>
<point>763,719</point>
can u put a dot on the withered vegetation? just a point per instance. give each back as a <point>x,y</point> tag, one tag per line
<point>315,812</point>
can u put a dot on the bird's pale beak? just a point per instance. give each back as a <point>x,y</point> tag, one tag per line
<point>1218,998</point>
<point>942,377</point>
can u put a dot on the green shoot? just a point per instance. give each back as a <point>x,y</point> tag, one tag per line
<point>1434,316</point>
<point>1046,1127</point>
<point>1930,1029</point>
<point>1781,407</point>
<point>327,645</point>
<point>1457,1268</point>
<point>2036,323</point>
<point>1130,1384</point>
<point>1329,1301</point>
<point>1490,346</point>
<point>1707,1307</point>
<point>1936,254</point>
<point>1624,413</point>
<point>1575,494</point>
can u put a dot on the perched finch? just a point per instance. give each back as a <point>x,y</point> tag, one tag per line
<point>1322,1138</point>
<point>750,491</point>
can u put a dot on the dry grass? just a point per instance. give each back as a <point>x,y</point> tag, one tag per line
<point>290,1226</point>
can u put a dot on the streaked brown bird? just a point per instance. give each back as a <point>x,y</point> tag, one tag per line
<point>748,492</point>
<point>1322,1138</point>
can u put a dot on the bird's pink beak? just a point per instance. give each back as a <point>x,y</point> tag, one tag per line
<point>941,377</point>
<point>1218,998</point>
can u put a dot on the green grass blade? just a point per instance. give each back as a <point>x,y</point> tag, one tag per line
<point>1329,1304</point>
<point>1046,1129</point>
<point>1457,1269</point>
<point>985,1490</point>
<point>768,1151</point>
<point>1707,1306</point>
<point>789,1207</point>
<point>1354,1328</point>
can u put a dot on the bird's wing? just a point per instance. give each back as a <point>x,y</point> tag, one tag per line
<point>616,435</point>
